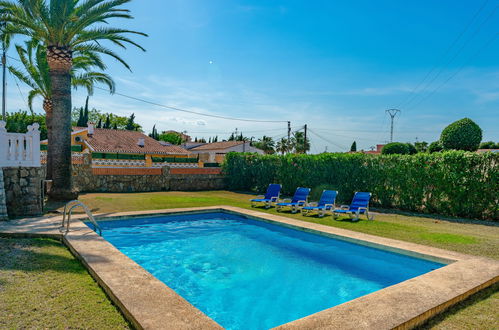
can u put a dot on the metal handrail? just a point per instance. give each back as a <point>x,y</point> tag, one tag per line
<point>68,210</point>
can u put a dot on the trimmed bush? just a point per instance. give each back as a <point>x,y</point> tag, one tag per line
<point>463,134</point>
<point>411,149</point>
<point>435,147</point>
<point>395,148</point>
<point>453,183</point>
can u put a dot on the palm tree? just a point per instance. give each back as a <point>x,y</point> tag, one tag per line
<point>299,144</point>
<point>267,144</point>
<point>35,74</point>
<point>65,27</point>
<point>282,146</point>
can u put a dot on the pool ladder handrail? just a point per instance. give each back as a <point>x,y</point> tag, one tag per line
<point>68,210</point>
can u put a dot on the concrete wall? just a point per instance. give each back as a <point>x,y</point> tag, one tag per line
<point>87,180</point>
<point>23,190</point>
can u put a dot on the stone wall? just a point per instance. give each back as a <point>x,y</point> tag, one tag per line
<point>86,180</point>
<point>3,199</point>
<point>23,190</point>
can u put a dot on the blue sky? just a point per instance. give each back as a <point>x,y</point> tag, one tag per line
<point>334,65</point>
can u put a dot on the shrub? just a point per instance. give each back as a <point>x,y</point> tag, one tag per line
<point>463,134</point>
<point>435,147</point>
<point>395,148</point>
<point>489,145</point>
<point>411,149</point>
<point>453,183</point>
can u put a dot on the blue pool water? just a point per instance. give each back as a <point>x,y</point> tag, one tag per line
<point>249,274</point>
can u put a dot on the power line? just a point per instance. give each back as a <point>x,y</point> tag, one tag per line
<point>413,95</point>
<point>326,139</point>
<point>472,57</point>
<point>194,112</point>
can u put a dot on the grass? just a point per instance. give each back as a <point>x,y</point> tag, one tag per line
<point>42,286</point>
<point>41,279</point>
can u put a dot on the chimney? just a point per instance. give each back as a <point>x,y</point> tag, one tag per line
<point>141,142</point>
<point>90,130</point>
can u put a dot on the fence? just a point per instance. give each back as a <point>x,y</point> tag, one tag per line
<point>20,149</point>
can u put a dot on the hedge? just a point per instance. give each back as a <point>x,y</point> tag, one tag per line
<point>452,183</point>
<point>102,155</point>
<point>174,160</point>
<point>74,147</point>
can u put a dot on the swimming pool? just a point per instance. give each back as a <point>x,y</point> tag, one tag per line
<point>250,274</point>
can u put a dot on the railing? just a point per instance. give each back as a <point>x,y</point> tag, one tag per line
<point>68,210</point>
<point>20,149</point>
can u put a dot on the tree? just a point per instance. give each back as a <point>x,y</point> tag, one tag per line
<point>231,137</point>
<point>35,74</point>
<point>83,117</point>
<point>411,149</point>
<point>173,138</point>
<point>489,145</point>
<point>99,124</point>
<point>107,123</point>
<point>115,126</point>
<point>353,148</point>
<point>154,134</point>
<point>18,122</point>
<point>266,143</point>
<point>130,125</point>
<point>65,27</point>
<point>463,134</point>
<point>298,143</point>
<point>435,147</point>
<point>395,148</point>
<point>282,146</point>
<point>421,146</point>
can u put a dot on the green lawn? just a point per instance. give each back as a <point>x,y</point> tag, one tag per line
<point>43,286</point>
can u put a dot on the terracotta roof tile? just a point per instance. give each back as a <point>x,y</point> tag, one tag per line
<point>217,145</point>
<point>123,141</point>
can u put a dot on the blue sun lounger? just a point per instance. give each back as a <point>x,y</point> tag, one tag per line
<point>271,196</point>
<point>299,200</point>
<point>360,205</point>
<point>325,203</point>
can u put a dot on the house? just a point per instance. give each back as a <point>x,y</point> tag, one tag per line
<point>215,152</point>
<point>123,148</point>
<point>375,152</point>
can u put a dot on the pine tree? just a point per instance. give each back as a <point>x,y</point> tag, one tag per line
<point>115,126</point>
<point>130,125</point>
<point>353,148</point>
<point>196,139</point>
<point>99,124</point>
<point>216,139</point>
<point>231,138</point>
<point>107,124</point>
<point>85,114</point>
<point>79,123</point>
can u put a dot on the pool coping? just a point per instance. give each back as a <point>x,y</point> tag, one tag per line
<point>150,304</point>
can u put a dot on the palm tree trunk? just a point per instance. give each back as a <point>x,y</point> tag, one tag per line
<point>47,106</point>
<point>59,152</point>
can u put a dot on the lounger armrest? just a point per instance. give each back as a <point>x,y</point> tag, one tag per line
<point>285,200</point>
<point>274,199</point>
<point>300,203</point>
<point>344,207</point>
<point>331,206</point>
<point>362,209</point>
<point>315,204</point>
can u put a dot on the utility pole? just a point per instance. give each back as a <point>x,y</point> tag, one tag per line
<point>305,139</point>
<point>4,65</point>
<point>392,113</point>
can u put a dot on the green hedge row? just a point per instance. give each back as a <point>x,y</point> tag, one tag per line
<point>174,160</point>
<point>453,183</point>
<point>101,155</point>
<point>211,165</point>
<point>74,148</point>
